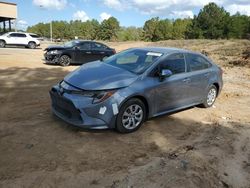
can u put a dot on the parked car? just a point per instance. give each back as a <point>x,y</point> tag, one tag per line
<point>77,52</point>
<point>19,39</point>
<point>128,88</point>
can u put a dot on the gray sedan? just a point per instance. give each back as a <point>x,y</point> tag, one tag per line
<point>127,88</point>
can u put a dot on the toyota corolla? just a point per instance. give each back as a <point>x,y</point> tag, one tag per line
<point>126,89</point>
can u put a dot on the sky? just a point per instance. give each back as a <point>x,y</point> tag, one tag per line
<point>128,12</point>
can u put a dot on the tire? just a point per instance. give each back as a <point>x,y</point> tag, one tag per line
<point>129,121</point>
<point>32,45</point>
<point>210,97</point>
<point>64,60</point>
<point>105,57</point>
<point>2,43</point>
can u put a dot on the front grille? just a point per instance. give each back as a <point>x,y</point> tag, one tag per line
<point>64,106</point>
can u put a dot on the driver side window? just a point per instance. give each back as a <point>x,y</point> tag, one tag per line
<point>84,46</point>
<point>175,63</point>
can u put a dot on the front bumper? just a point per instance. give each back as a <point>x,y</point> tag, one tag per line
<point>51,58</point>
<point>79,110</point>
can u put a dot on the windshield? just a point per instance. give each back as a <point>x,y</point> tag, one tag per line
<point>70,44</point>
<point>133,60</point>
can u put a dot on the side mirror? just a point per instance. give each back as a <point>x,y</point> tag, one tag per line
<point>165,73</point>
<point>76,48</point>
<point>8,36</point>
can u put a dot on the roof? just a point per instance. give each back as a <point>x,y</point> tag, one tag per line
<point>81,40</point>
<point>164,50</point>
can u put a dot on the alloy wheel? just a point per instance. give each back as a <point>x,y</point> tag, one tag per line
<point>132,116</point>
<point>211,96</point>
<point>64,60</point>
<point>32,45</point>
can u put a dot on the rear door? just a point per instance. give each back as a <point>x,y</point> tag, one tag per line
<point>21,39</point>
<point>83,54</point>
<point>99,51</point>
<point>199,72</point>
<point>11,38</point>
<point>171,93</point>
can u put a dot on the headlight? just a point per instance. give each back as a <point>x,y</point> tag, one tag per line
<point>102,96</point>
<point>54,52</point>
<point>98,96</point>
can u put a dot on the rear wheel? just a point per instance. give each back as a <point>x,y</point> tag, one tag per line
<point>64,60</point>
<point>210,97</point>
<point>2,43</point>
<point>131,116</point>
<point>32,45</point>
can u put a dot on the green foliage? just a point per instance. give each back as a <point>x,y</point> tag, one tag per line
<point>130,34</point>
<point>238,26</point>
<point>164,30</point>
<point>149,29</point>
<point>180,28</point>
<point>193,30</point>
<point>212,22</point>
<point>109,29</point>
<point>42,29</point>
<point>156,29</point>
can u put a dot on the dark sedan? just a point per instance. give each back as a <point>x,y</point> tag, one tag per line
<point>77,52</point>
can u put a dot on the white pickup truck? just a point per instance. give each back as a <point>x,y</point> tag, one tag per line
<point>19,39</point>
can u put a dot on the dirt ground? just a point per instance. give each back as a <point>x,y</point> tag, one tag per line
<point>193,148</point>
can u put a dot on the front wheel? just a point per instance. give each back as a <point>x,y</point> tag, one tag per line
<point>2,44</point>
<point>32,45</point>
<point>64,60</point>
<point>131,116</point>
<point>210,97</point>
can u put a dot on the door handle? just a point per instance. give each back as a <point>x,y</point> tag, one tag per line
<point>88,52</point>
<point>102,52</point>
<point>186,80</point>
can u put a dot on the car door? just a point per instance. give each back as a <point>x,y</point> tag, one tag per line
<point>82,53</point>
<point>171,93</point>
<point>11,38</point>
<point>21,39</point>
<point>199,73</point>
<point>99,51</point>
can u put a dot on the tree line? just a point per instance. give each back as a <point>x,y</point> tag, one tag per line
<point>212,22</point>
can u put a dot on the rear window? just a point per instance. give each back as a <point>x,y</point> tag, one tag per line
<point>98,46</point>
<point>197,62</point>
<point>34,36</point>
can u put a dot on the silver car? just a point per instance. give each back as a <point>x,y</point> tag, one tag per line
<point>127,88</point>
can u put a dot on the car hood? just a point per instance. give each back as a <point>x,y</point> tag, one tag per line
<point>100,76</point>
<point>49,48</point>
